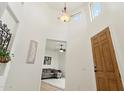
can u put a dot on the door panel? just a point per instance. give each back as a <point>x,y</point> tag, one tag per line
<point>98,61</point>
<point>113,84</point>
<point>105,65</point>
<point>102,86</point>
<point>109,67</point>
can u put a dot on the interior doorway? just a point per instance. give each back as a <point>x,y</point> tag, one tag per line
<point>105,64</point>
<point>53,67</point>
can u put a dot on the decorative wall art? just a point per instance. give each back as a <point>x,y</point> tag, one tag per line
<point>47,60</point>
<point>32,52</point>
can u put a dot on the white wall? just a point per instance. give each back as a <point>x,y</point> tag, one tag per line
<point>111,16</point>
<point>33,23</point>
<point>2,7</point>
<point>79,68</point>
<point>58,30</point>
<point>79,55</point>
<point>55,60</point>
<point>36,22</point>
<point>38,25</point>
<point>62,62</point>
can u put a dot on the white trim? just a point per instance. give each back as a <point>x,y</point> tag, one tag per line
<point>12,14</point>
<point>90,11</point>
<point>92,17</point>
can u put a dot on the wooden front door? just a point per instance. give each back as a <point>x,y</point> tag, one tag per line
<point>105,65</point>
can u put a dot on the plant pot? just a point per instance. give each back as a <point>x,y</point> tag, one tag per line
<point>4,59</point>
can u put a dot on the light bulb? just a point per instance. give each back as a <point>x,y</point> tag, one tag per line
<point>61,50</point>
<point>65,17</point>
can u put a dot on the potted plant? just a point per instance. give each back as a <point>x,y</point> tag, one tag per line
<point>4,56</point>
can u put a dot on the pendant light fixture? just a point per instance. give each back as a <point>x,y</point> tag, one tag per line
<point>61,49</point>
<point>65,16</point>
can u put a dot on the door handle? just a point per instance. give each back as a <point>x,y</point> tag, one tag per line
<point>95,70</point>
<point>94,66</point>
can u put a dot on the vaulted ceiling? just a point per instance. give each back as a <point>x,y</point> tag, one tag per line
<point>71,6</point>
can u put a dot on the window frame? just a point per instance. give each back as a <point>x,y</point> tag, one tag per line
<point>92,17</point>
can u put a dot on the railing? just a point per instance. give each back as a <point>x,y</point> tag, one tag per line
<point>5,36</point>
